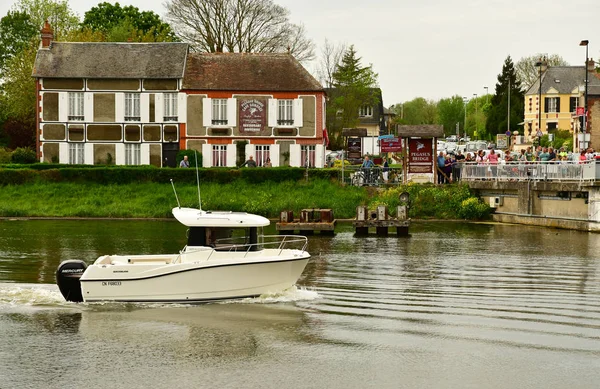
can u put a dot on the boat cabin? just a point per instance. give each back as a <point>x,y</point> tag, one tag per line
<point>226,238</point>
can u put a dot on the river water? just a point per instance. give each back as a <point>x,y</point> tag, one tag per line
<point>453,306</point>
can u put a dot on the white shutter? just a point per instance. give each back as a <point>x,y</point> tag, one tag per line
<point>250,151</point>
<point>88,153</point>
<point>182,107</point>
<point>319,156</point>
<point>298,113</point>
<point>63,153</point>
<point>231,155</point>
<point>120,151</point>
<point>274,155</point>
<point>159,108</point>
<point>63,107</point>
<point>88,107</point>
<point>272,113</point>
<point>206,112</point>
<point>232,111</point>
<point>295,156</point>
<point>144,108</point>
<point>119,107</point>
<point>145,154</point>
<point>206,155</point>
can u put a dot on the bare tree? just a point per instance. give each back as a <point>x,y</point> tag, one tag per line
<point>238,26</point>
<point>330,58</point>
<point>528,72</point>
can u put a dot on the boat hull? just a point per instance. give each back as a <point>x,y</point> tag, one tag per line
<point>190,282</point>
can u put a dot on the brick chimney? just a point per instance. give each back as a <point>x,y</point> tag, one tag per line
<point>47,35</point>
<point>591,65</point>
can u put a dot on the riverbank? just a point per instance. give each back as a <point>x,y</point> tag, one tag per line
<point>155,200</point>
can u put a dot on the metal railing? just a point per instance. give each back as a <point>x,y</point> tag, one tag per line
<point>373,176</point>
<point>568,171</point>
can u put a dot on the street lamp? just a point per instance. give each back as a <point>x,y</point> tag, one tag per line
<point>486,94</point>
<point>476,116</point>
<point>465,124</point>
<point>584,127</point>
<point>539,65</point>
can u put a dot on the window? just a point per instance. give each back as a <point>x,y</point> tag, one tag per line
<point>76,106</point>
<point>132,107</point>
<point>552,104</point>
<point>219,111</point>
<point>285,112</point>
<point>76,153</point>
<point>365,111</point>
<point>573,104</point>
<point>219,155</point>
<point>170,107</point>
<point>262,154</point>
<point>133,153</point>
<point>307,156</point>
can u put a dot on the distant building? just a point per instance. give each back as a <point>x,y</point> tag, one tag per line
<point>140,103</point>
<point>370,116</point>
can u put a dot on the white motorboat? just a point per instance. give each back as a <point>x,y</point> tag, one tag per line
<point>226,257</point>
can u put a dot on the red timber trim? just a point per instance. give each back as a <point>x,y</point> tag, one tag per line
<point>262,141</point>
<point>182,137</point>
<point>211,94</point>
<point>219,141</point>
<point>38,112</point>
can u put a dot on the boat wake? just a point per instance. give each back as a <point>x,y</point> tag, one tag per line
<point>18,295</point>
<point>292,294</point>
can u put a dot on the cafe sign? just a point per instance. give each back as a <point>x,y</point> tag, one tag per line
<point>252,116</point>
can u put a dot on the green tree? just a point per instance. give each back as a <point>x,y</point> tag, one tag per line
<point>417,111</point>
<point>450,112</point>
<point>499,112</point>
<point>16,32</point>
<point>119,24</point>
<point>353,88</point>
<point>528,72</point>
<point>58,13</point>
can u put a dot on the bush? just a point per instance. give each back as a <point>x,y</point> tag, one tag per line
<point>191,157</point>
<point>5,155</point>
<point>24,155</point>
<point>473,208</point>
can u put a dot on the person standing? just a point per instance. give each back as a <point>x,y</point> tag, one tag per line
<point>184,162</point>
<point>441,163</point>
<point>386,170</point>
<point>366,167</point>
<point>250,162</point>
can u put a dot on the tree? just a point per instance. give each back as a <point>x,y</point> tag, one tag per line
<point>450,112</point>
<point>58,13</point>
<point>417,111</point>
<point>528,72</point>
<point>16,32</point>
<point>353,88</point>
<point>331,56</point>
<point>119,24</point>
<point>499,112</point>
<point>242,26</point>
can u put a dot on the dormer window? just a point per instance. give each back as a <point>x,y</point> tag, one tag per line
<point>365,111</point>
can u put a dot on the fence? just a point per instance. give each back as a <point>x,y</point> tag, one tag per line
<point>568,171</point>
<point>373,176</point>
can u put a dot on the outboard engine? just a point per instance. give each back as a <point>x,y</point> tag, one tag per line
<point>67,277</point>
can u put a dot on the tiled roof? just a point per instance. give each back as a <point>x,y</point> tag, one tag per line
<point>564,79</point>
<point>272,72</point>
<point>111,60</point>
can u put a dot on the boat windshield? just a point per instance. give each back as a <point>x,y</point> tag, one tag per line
<point>226,238</point>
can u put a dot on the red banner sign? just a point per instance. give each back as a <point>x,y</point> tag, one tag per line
<point>580,111</point>
<point>390,145</point>
<point>420,156</point>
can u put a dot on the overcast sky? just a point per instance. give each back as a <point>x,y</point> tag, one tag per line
<point>435,48</point>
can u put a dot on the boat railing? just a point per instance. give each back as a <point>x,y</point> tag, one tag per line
<point>279,242</point>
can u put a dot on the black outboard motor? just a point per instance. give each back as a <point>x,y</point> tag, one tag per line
<point>67,277</point>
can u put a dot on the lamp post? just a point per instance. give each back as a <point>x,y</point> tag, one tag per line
<point>585,107</point>
<point>476,116</point>
<point>465,124</point>
<point>539,65</point>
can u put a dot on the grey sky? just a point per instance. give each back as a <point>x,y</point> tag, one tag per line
<point>436,48</point>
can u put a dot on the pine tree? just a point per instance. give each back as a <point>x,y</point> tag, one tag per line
<point>498,116</point>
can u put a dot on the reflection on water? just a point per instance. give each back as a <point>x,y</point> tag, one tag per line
<point>453,305</point>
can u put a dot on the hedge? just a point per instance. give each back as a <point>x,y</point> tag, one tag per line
<point>127,174</point>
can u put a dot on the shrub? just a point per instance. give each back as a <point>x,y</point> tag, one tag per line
<point>5,155</point>
<point>24,155</point>
<point>473,208</point>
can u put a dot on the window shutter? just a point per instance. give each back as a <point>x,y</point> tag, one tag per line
<point>159,108</point>
<point>120,152</point>
<point>272,113</point>
<point>144,111</point>
<point>145,154</point>
<point>88,153</point>
<point>232,112</point>
<point>206,154</point>
<point>546,100</point>
<point>274,155</point>
<point>231,155</point>
<point>119,107</point>
<point>295,156</point>
<point>319,156</point>
<point>298,114</point>
<point>206,114</point>
<point>181,107</point>
<point>557,104</point>
<point>250,151</point>
<point>88,107</point>
<point>63,152</point>
<point>63,107</point>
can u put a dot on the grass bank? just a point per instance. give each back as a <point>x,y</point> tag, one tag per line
<point>155,200</point>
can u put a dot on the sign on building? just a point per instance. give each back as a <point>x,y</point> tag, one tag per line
<point>252,116</point>
<point>390,145</point>
<point>420,156</point>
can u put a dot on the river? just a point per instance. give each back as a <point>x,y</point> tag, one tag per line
<point>454,305</point>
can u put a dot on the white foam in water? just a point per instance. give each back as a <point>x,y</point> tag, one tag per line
<point>12,295</point>
<point>289,295</point>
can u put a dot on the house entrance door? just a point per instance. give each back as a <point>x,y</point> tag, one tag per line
<point>169,154</point>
